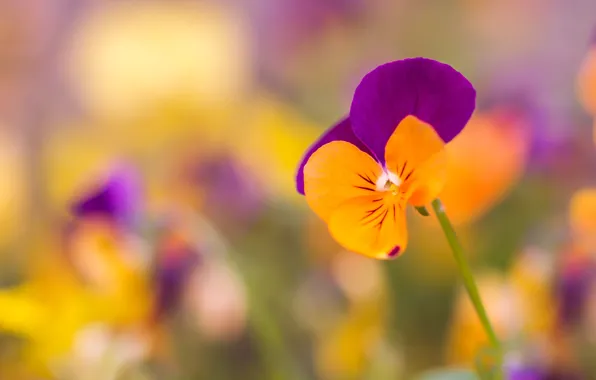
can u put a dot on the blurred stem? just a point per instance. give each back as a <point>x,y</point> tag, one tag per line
<point>268,334</point>
<point>468,278</point>
<point>392,278</point>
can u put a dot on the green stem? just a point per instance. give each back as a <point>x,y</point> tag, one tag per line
<point>277,358</point>
<point>466,273</point>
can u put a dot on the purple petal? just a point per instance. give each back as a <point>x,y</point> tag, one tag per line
<point>171,275</point>
<point>342,131</point>
<point>116,197</point>
<point>573,289</point>
<point>432,91</point>
<point>525,373</point>
<point>222,178</point>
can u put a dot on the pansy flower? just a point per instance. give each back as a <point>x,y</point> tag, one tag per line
<point>361,174</point>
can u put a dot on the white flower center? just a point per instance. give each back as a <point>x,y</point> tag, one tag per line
<point>388,181</point>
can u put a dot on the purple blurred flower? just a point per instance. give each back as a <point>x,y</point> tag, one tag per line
<point>542,372</point>
<point>282,25</point>
<point>573,289</point>
<point>519,89</point>
<point>117,197</point>
<point>228,191</point>
<point>176,261</point>
<point>525,373</point>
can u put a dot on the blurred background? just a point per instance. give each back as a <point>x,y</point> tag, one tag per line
<point>149,226</point>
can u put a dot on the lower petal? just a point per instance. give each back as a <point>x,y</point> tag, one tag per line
<point>373,228</point>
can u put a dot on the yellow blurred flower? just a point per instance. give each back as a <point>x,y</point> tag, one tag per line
<point>279,136</point>
<point>467,336</point>
<point>55,303</point>
<point>582,219</point>
<point>519,305</point>
<point>346,351</point>
<point>47,312</point>
<point>114,267</point>
<point>70,158</point>
<point>12,186</point>
<point>531,276</point>
<point>488,157</point>
<point>100,353</point>
<point>129,56</point>
<point>346,348</point>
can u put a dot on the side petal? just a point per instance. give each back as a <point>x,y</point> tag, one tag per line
<point>429,179</point>
<point>374,229</point>
<point>336,173</point>
<point>416,154</point>
<point>432,91</point>
<point>342,131</point>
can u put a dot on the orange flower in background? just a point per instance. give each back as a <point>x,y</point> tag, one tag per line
<point>12,186</point>
<point>586,82</point>
<point>582,219</point>
<point>485,161</point>
<point>586,85</point>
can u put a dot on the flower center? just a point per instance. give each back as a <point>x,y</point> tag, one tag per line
<point>390,186</point>
<point>389,181</point>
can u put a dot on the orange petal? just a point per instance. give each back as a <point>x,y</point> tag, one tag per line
<point>477,160</point>
<point>371,226</point>
<point>586,82</point>
<point>337,172</point>
<point>429,179</point>
<point>416,153</point>
<point>582,218</point>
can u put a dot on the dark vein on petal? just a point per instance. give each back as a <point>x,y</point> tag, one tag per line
<point>408,176</point>
<point>380,223</point>
<point>403,168</point>
<point>367,179</point>
<point>375,217</point>
<point>370,212</point>
<point>364,188</point>
<point>394,214</point>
